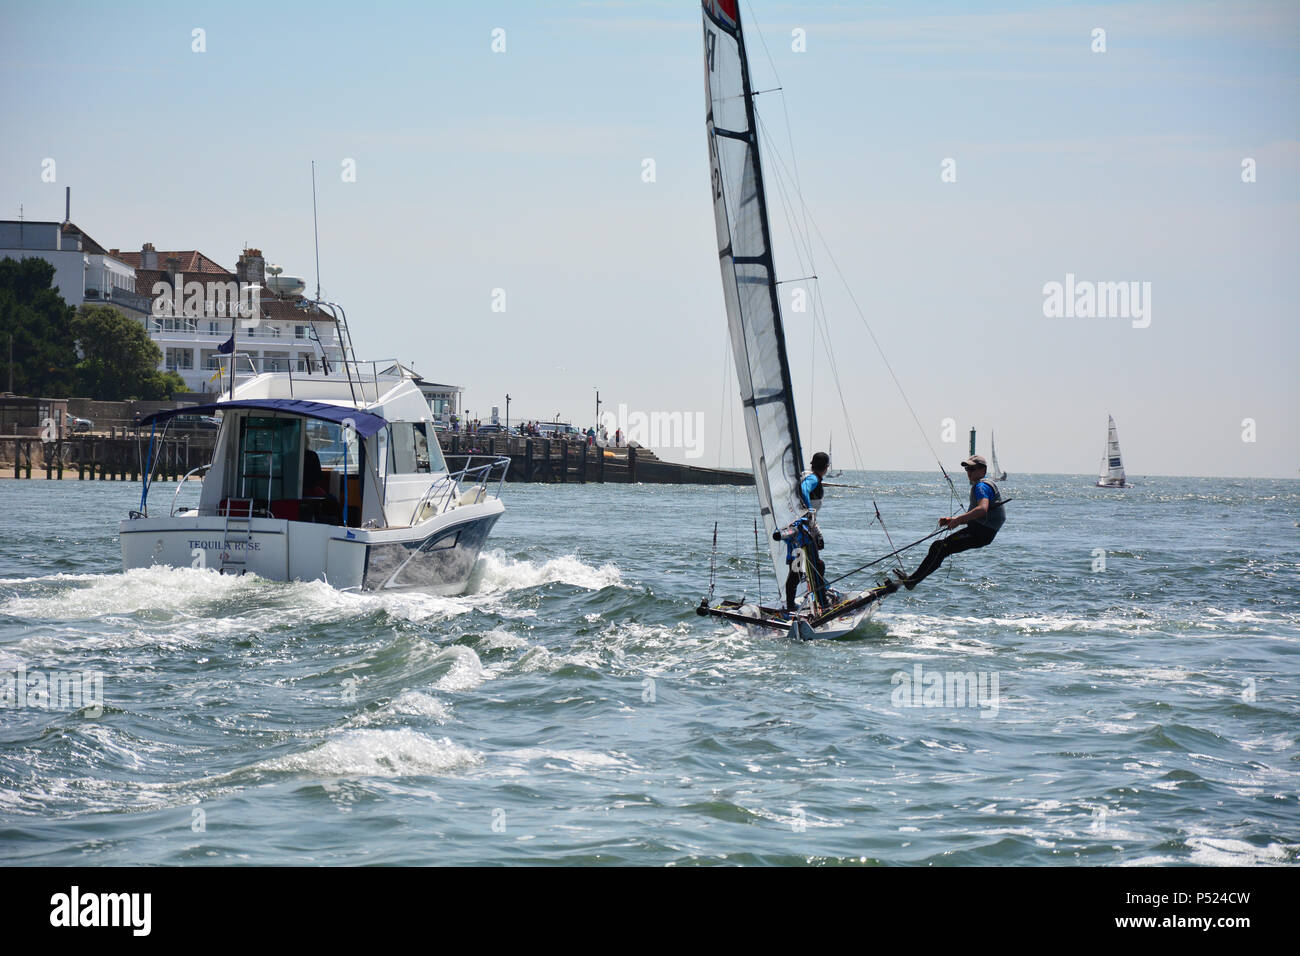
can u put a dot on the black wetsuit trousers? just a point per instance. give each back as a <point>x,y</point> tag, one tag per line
<point>818,582</point>
<point>971,536</point>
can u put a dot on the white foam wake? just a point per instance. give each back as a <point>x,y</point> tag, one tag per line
<point>496,573</point>
<point>377,753</point>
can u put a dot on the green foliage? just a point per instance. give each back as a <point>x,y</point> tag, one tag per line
<point>120,361</point>
<point>40,323</point>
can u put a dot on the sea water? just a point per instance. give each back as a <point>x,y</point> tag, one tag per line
<point>1113,681</point>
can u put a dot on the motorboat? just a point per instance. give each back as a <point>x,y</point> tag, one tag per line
<point>335,475</point>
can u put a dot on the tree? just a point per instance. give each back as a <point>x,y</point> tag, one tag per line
<point>119,361</point>
<point>38,323</point>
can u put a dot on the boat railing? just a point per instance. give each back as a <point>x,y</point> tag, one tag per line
<point>365,378</point>
<point>440,494</point>
<point>181,484</point>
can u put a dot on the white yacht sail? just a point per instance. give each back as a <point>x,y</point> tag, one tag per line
<point>995,471</point>
<point>748,275</point>
<point>1112,463</point>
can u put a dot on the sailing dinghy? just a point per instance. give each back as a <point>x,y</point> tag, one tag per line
<point>758,345</point>
<point>995,472</point>
<point>1112,464</point>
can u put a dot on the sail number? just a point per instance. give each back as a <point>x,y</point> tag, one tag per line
<point>710,40</point>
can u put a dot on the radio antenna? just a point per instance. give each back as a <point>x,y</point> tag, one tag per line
<point>315,228</point>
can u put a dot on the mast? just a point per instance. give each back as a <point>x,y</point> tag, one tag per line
<point>748,273</point>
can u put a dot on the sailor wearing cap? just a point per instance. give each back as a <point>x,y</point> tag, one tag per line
<point>982,521</point>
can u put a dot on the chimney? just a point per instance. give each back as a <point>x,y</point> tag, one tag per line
<point>251,267</point>
<point>67,204</point>
<point>148,256</point>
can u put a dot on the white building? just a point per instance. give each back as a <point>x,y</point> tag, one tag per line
<point>444,400</point>
<point>84,271</point>
<point>155,287</point>
<point>194,306</point>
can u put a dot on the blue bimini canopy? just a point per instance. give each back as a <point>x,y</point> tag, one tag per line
<point>366,423</point>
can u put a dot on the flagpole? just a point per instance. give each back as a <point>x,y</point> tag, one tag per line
<point>234,331</point>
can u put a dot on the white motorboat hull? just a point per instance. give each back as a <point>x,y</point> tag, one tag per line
<point>437,555</point>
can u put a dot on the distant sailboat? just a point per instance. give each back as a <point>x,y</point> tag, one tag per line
<point>1112,464</point>
<point>995,472</point>
<point>830,445</point>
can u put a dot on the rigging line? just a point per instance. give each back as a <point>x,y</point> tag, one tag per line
<point>891,554</point>
<point>905,547</point>
<point>713,562</point>
<point>729,418</point>
<point>819,316</point>
<point>819,312</point>
<point>722,402</point>
<point>888,536</point>
<point>785,108</point>
<point>799,251</point>
<point>871,332</point>
<point>804,235</point>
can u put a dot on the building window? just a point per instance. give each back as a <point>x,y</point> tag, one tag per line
<point>178,359</point>
<point>175,324</point>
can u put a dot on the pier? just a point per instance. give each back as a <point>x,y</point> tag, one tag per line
<point>101,458</point>
<point>120,456</point>
<point>560,460</point>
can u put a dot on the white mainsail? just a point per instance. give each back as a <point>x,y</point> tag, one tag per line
<point>997,473</point>
<point>748,275</point>
<point>1112,464</point>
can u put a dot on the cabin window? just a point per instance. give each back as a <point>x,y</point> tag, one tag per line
<point>270,458</point>
<point>411,452</point>
<point>326,440</point>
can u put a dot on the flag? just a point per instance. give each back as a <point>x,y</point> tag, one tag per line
<point>215,375</point>
<point>228,346</point>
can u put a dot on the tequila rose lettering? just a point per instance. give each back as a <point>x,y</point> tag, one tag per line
<point>216,544</point>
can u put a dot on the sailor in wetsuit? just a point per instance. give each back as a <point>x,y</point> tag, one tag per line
<point>804,533</point>
<point>982,521</point>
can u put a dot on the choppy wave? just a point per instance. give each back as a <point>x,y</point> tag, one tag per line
<point>381,753</point>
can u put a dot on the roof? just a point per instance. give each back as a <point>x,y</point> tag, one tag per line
<point>397,368</point>
<point>87,244</point>
<point>273,307</point>
<point>191,260</point>
<point>365,423</point>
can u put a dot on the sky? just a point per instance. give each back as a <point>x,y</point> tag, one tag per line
<point>525,170</point>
